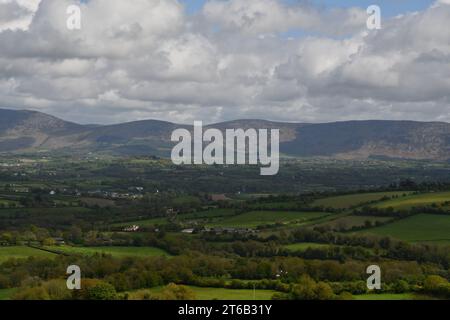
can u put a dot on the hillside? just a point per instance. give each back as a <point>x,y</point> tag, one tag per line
<point>29,131</point>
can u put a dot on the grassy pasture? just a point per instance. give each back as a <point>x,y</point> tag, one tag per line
<point>305,245</point>
<point>224,294</point>
<point>142,223</point>
<point>47,211</point>
<point>346,201</point>
<point>256,218</point>
<point>102,203</point>
<point>5,294</point>
<point>8,203</point>
<point>117,252</point>
<point>21,252</point>
<point>287,205</point>
<point>416,200</point>
<point>386,296</point>
<point>348,222</point>
<point>419,228</point>
<point>213,213</point>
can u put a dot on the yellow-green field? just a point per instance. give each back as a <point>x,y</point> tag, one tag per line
<point>5,294</point>
<point>386,296</point>
<point>304,246</point>
<point>257,218</point>
<point>416,200</point>
<point>114,251</point>
<point>21,252</point>
<point>346,201</point>
<point>419,228</point>
<point>224,294</point>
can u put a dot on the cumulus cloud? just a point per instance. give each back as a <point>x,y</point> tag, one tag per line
<point>234,59</point>
<point>17,14</point>
<point>268,16</point>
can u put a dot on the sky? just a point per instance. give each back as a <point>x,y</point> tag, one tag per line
<point>390,7</point>
<point>217,60</point>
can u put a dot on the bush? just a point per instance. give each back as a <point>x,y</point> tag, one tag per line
<point>36,293</point>
<point>102,291</point>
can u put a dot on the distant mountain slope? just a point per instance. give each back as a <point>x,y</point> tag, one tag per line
<point>22,129</point>
<point>29,131</point>
<point>361,139</point>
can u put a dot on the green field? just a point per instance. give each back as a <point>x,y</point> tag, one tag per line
<point>5,294</point>
<point>47,211</point>
<point>21,252</point>
<point>8,203</point>
<point>305,245</point>
<point>114,251</point>
<point>418,228</point>
<point>287,205</point>
<point>346,201</point>
<point>98,202</point>
<point>385,296</point>
<point>257,218</point>
<point>226,294</point>
<point>416,200</point>
<point>141,223</point>
<point>213,213</point>
<point>348,222</point>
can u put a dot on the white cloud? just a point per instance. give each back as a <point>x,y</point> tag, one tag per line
<point>17,14</point>
<point>268,16</point>
<point>149,59</point>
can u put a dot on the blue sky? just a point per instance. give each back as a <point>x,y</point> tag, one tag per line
<point>389,7</point>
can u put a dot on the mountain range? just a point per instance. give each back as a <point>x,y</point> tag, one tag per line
<point>23,131</point>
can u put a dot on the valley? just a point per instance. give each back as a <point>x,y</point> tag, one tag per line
<point>140,228</point>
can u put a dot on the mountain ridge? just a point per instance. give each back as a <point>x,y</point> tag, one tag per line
<point>33,131</point>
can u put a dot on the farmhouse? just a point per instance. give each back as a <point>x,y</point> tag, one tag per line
<point>133,228</point>
<point>59,241</point>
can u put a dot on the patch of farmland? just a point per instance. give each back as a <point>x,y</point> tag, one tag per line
<point>6,294</point>
<point>218,293</point>
<point>114,251</point>
<point>347,201</point>
<point>212,213</point>
<point>385,296</point>
<point>416,200</point>
<point>349,222</point>
<point>305,245</point>
<point>419,228</point>
<point>22,252</point>
<point>102,203</point>
<point>142,223</point>
<point>257,218</point>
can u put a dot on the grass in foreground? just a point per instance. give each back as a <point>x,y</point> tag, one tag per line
<point>226,294</point>
<point>6,294</point>
<point>386,296</point>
